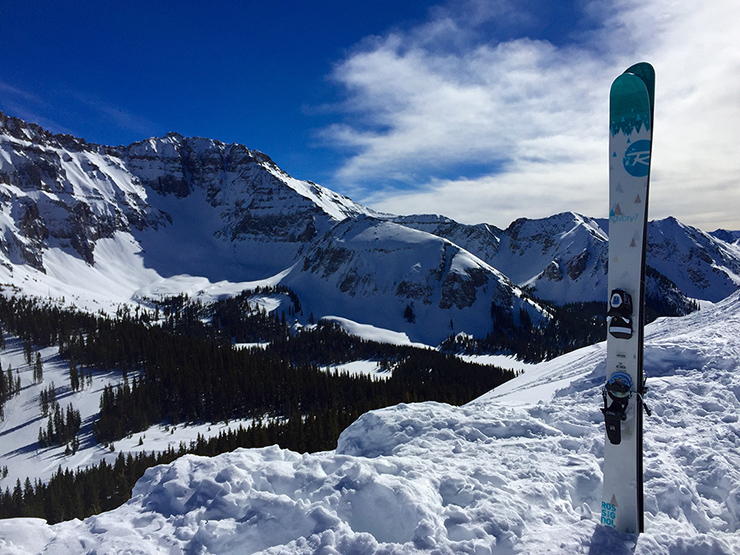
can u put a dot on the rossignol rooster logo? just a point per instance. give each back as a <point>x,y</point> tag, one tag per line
<point>637,158</point>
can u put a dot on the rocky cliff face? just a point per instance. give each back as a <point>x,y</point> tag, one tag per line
<point>415,280</point>
<point>204,208</point>
<point>60,191</point>
<point>254,199</point>
<point>561,258</point>
<point>701,265</point>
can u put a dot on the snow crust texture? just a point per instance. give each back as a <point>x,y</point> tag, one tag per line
<point>508,473</point>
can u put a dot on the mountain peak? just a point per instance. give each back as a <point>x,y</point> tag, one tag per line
<point>21,130</point>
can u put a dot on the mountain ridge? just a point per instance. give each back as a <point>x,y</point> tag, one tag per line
<point>190,213</point>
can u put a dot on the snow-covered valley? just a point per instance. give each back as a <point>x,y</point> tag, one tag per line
<point>515,471</point>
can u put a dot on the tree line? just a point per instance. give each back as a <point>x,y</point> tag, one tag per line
<point>104,486</point>
<point>570,326</point>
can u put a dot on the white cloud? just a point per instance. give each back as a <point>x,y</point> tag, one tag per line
<point>423,105</point>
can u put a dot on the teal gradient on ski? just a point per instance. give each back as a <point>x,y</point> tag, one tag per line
<point>645,71</point>
<point>631,105</point>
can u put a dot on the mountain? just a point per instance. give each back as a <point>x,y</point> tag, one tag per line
<point>377,263</point>
<point>204,199</point>
<point>99,226</point>
<point>515,471</point>
<point>563,258</point>
<point>702,265</point>
<point>726,235</point>
<point>233,199</point>
<point>175,214</point>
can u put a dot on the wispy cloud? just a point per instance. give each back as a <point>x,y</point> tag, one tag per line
<point>422,104</point>
<point>80,110</point>
<point>28,106</point>
<point>115,115</point>
<point>9,90</point>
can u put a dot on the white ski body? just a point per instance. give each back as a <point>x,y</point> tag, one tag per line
<point>629,171</point>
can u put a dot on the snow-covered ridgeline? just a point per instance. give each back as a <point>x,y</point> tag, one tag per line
<point>173,211</point>
<point>516,471</point>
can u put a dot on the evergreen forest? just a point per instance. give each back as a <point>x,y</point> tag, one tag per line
<point>182,363</point>
<point>186,362</point>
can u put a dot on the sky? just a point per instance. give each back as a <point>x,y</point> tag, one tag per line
<point>480,110</point>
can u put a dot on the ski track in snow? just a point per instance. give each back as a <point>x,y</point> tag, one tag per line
<point>515,471</point>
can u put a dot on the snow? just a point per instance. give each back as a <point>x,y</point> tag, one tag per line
<point>515,471</point>
<point>383,268</point>
<point>119,277</point>
<point>372,333</point>
<point>234,220</point>
<point>337,206</point>
<point>360,368</point>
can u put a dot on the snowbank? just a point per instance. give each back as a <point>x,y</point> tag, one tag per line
<point>503,474</point>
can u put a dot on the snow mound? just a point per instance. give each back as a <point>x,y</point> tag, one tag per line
<point>507,473</point>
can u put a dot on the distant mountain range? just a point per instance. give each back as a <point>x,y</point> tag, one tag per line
<point>101,226</point>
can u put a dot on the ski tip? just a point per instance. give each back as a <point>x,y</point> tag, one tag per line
<point>646,72</point>
<point>629,104</point>
<point>642,69</point>
<point>628,84</point>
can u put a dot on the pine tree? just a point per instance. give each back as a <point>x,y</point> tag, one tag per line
<point>408,313</point>
<point>38,369</point>
<point>27,352</point>
<point>74,377</point>
<point>10,381</point>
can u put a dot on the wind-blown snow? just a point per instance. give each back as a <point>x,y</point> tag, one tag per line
<point>515,471</point>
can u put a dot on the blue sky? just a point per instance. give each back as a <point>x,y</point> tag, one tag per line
<point>481,110</point>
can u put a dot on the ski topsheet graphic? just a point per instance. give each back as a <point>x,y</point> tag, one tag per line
<point>630,146</point>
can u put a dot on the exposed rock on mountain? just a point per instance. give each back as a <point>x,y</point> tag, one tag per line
<point>58,191</point>
<point>702,265</point>
<point>383,268</point>
<point>563,258</point>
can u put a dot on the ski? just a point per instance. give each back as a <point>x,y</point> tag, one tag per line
<point>631,102</point>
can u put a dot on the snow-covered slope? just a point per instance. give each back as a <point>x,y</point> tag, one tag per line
<point>235,215</point>
<point>516,471</point>
<point>562,258</point>
<point>384,270</point>
<point>726,235</point>
<point>101,226</point>
<point>196,206</point>
<point>702,265</point>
